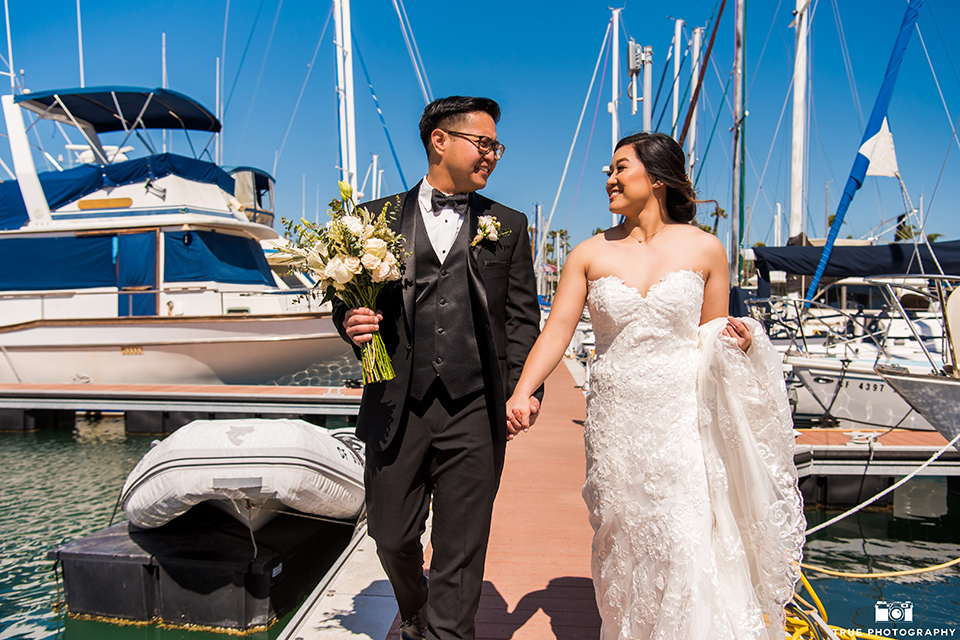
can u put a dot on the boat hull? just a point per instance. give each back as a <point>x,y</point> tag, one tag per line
<point>242,349</point>
<point>849,391</point>
<point>252,469</point>
<point>937,398</point>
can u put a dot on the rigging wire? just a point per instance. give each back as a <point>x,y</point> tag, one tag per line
<point>848,66</point>
<point>243,57</point>
<point>566,165</point>
<point>936,81</point>
<point>663,76</point>
<point>263,66</point>
<point>766,164</point>
<point>383,122</point>
<point>716,121</point>
<point>303,88</point>
<point>763,49</point>
<point>413,52</point>
<point>943,168</point>
<point>593,125</point>
<point>683,63</point>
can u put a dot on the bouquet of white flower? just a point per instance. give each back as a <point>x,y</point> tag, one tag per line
<point>353,256</point>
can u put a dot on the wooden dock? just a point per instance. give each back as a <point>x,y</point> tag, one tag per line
<point>159,409</point>
<point>537,583</point>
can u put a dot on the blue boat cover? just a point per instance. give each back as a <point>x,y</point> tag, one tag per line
<point>98,106</point>
<point>28,264</point>
<point>63,187</point>
<point>875,260</point>
<point>198,256</point>
<point>81,262</point>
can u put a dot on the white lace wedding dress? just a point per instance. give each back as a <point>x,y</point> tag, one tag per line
<point>691,485</point>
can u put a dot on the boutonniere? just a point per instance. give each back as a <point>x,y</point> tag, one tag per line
<point>488,229</point>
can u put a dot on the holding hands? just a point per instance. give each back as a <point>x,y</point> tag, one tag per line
<point>521,414</point>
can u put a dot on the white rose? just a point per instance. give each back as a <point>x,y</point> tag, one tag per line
<point>368,232</point>
<point>492,234</point>
<point>375,246</point>
<point>390,259</point>
<point>484,221</point>
<point>353,224</point>
<point>370,262</point>
<point>336,270</point>
<point>353,264</point>
<point>382,272</point>
<point>394,272</point>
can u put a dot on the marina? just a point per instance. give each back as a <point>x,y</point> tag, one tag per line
<point>537,581</point>
<point>142,294</point>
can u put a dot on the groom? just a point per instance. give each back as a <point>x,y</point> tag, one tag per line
<point>458,327</point>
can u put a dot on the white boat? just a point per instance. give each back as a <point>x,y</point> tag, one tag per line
<point>831,348</point>
<point>935,394</point>
<point>148,270</point>
<point>252,469</point>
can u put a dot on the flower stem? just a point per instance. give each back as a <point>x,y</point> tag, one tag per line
<point>376,362</point>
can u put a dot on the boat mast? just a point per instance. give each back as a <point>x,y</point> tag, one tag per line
<point>694,80</point>
<point>798,161</point>
<point>13,74</point>
<point>677,37</point>
<point>80,44</point>
<point>344,52</point>
<point>736,214</point>
<point>614,105</point>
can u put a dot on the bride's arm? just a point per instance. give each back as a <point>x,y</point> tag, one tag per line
<point>554,339</point>
<point>716,295</point>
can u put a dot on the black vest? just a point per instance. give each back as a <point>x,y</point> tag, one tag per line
<point>444,335</point>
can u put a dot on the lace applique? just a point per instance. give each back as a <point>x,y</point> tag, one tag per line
<point>670,558</point>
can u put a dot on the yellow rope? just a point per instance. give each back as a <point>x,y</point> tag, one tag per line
<point>886,574</point>
<point>816,598</point>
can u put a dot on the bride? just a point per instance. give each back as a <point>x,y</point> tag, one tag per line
<point>690,484</point>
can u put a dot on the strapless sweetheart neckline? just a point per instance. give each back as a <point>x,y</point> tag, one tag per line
<point>653,287</point>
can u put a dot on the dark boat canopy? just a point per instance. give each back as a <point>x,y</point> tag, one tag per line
<point>117,108</point>
<point>861,261</point>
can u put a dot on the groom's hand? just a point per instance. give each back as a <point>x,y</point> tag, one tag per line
<point>360,323</point>
<point>521,415</point>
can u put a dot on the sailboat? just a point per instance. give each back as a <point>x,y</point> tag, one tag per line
<point>834,350</point>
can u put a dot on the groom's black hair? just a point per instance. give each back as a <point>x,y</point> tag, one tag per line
<point>446,112</point>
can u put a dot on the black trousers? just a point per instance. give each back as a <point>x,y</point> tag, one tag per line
<point>446,449</point>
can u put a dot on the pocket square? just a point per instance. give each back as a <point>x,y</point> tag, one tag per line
<point>495,263</point>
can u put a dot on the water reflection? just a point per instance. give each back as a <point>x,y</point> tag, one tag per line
<point>57,486</point>
<point>881,541</point>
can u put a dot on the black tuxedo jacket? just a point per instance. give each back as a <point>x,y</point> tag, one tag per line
<point>502,297</point>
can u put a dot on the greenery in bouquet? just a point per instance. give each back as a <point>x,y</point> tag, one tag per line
<point>352,257</point>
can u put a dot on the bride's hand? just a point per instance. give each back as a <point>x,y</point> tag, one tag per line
<point>739,331</point>
<point>519,416</point>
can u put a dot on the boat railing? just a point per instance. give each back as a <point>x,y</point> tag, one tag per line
<point>103,302</point>
<point>819,325</point>
<point>939,288</point>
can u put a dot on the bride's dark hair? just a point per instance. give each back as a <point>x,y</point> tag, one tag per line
<point>663,159</point>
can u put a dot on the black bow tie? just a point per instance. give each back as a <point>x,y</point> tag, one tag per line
<point>457,202</point>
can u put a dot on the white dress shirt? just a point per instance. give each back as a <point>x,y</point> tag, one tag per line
<point>442,226</point>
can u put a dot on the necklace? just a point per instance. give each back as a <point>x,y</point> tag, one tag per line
<point>647,239</point>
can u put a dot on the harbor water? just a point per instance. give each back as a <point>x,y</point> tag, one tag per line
<point>57,486</point>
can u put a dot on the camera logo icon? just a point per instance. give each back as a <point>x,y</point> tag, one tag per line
<point>894,611</point>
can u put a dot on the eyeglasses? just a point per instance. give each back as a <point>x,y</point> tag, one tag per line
<point>484,144</point>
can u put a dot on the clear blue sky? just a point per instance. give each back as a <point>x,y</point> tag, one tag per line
<point>536,58</point>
